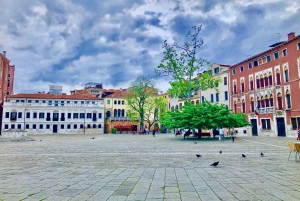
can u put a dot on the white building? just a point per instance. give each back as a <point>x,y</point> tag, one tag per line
<point>54,114</point>
<point>222,96</point>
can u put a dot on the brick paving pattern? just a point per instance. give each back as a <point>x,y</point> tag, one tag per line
<point>136,167</point>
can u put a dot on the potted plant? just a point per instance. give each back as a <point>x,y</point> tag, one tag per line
<point>114,130</point>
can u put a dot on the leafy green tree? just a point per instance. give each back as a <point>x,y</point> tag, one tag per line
<point>140,90</point>
<point>155,109</point>
<point>183,66</point>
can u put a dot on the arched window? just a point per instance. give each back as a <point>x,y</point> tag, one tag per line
<point>235,107</point>
<point>108,114</point>
<point>252,104</point>
<point>257,82</point>
<point>278,77</point>
<point>279,101</point>
<point>286,74</point>
<point>123,113</point>
<point>288,99</point>
<point>262,83</point>
<point>251,84</point>
<point>262,101</point>
<point>258,102</point>
<point>267,100</point>
<point>243,86</point>
<point>243,106</point>
<point>270,79</point>
<point>234,87</point>
<point>197,102</point>
<point>119,112</point>
<point>266,80</point>
<point>115,112</point>
<point>271,101</point>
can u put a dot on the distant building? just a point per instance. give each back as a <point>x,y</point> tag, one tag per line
<point>55,89</point>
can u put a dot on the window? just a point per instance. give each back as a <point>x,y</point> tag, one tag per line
<point>212,98</point>
<point>286,74</point>
<point>266,80</point>
<point>284,52</point>
<point>75,115</point>
<point>202,100</point>
<point>82,115</point>
<point>271,101</point>
<point>22,101</point>
<point>288,99</point>
<point>27,115</point>
<point>55,116</point>
<point>49,102</point>
<point>123,102</point>
<point>89,115</point>
<point>115,102</point>
<point>266,124</point>
<point>276,55</point>
<point>226,95</point>
<point>233,71</point>
<point>35,115</point>
<point>6,126</point>
<point>241,68</point>
<point>89,126</point>
<point>41,115</point>
<point>268,58</point>
<point>235,107</point>
<point>27,126</point>
<point>75,102</point>
<point>48,118</point>
<point>55,103</point>
<point>75,126</point>
<point>37,101</point>
<point>225,80</point>
<point>48,126</point>
<point>41,126</point>
<point>8,75</point>
<point>252,104</point>
<point>257,82</point>
<point>270,79</point>
<point>6,114</point>
<point>44,101</point>
<point>69,115</point>
<point>19,126</point>
<point>62,103</point>
<point>251,84</point>
<point>8,83</point>
<point>255,63</point>
<point>62,116</point>
<point>108,102</point>
<point>119,102</point>
<point>99,125</point>
<point>68,102</point>
<point>295,123</point>
<point>82,102</point>
<point>19,114</point>
<point>278,76</point>
<point>69,126</point>
<point>217,97</point>
<point>62,126</point>
<point>17,101</point>
<point>33,126</point>
<point>100,115</point>
<point>81,126</point>
<point>262,81</point>
<point>250,65</point>
<point>12,126</point>
<point>298,46</point>
<point>243,106</point>
<point>279,101</point>
<point>94,125</point>
<point>234,88</point>
<point>216,70</point>
<point>29,101</point>
<point>243,86</point>
<point>13,116</point>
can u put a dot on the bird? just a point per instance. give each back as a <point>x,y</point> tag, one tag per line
<point>195,142</point>
<point>220,152</point>
<point>198,155</point>
<point>93,138</point>
<point>243,155</point>
<point>215,164</point>
<point>261,154</point>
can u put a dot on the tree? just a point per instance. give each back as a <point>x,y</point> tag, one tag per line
<point>155,109</point>
<point>138,94</point>
<point>184,65</point>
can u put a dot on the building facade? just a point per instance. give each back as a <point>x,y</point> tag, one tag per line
<point>266,88</point>
<point>54,114</point>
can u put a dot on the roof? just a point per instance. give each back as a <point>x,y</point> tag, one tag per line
<point>265,52</point>
<point>56,96</point>
<point>117,94</point>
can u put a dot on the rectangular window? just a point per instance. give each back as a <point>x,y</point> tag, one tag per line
<point>69,126</point>
<point>75,115</point>
<point>41,126</point>
<point>17,101</point>
<point>266,124</point>
<point>22,101</point>
<point>55,103</point>
<point>41,115</point>
<point>100,115</point>
<point>82,102</point>
<point>75,102</point>
<point>108,102</point>
<point>217,70</point>
<point>89,126</point>
<point>6,126</point>
<point>69,115</point>
<point>29,101</point>
<point>119,102</point>
<point>115,102</point>
<point>81,126</point>
<point>48,126</point>
<point>276,55</point>
<point>255,63</point>
<point>82,115</point>
<point>123,102</point>
<point>225,80</point>
<point>12,126</point>
<point>62,103</point>
<point>217,97</point>
<point>13,116</point>
<point>298,46</point>
<point>211,98</point>
<point>27,126</point>
<point>202,99</point>
<point>94,125</point>
<point>19,126</point>
<point>233,71</point>
<point>37,101</point>
<point>268,58</point>
<point>89,115</point>
<point>226,95</point>
<point>35,115</point>
<point>250,65</point>
<point>284,52</point>
<point>49,102</point>
<point>241,68</point>
<point>55,116</point>
<point>62,126</point>
<point>48,118</point>
<point>19,114</point>
<point>68,102</point>
<point>6,114</point>
<point>33,126</point>
<point>75,126</point>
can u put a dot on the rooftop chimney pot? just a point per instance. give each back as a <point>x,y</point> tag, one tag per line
<point>291,35</point>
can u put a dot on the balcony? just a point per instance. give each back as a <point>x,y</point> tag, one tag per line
<point>266,110</point>
<point>120,119</point>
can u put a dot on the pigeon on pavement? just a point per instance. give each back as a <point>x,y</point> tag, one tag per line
<point>198,155</point>
<point>243,155</point>
<point>220,152</point>
<point>215,164</point>
<point>261,154</point>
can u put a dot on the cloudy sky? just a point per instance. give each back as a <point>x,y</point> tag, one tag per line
<point>73,42</point>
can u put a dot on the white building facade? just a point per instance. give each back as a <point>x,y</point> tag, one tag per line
<point>54,114</point>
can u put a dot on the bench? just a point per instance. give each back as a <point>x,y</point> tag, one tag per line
<point>196,135</point>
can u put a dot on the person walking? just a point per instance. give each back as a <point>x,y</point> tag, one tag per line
<point>232,134</point>
<point>221,133</point>
<point>153,132</point>
<point>298,132</point>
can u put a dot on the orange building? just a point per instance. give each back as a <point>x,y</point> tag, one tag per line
<point>266,87</point>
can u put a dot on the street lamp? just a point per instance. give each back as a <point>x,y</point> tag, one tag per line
<point>24,116</point>
<point>84,123</point>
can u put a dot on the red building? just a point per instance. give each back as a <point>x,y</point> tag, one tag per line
<point>266,87</point>
<point>7,73</point>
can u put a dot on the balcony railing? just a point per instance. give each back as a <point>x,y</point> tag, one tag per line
<point>120,118</point>
<point>266,110</point>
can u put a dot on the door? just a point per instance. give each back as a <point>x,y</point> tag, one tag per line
<point>54,128</point>
<point>134,127</point>
<point>254,127</point>
<point>280,127</point>
<point>94,116</point>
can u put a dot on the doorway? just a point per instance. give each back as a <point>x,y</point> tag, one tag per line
<point>280,127</point>
<point>254,127</point>
<point>54,128</point>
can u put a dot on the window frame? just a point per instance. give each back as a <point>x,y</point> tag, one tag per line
<point>241,69</point>
<point>250,65</point>
<point>233,71</point>
<point>277,54</point>
<point>284,54</point>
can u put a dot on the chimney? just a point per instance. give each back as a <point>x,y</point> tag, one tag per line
<point>291,35</point>
<point>4,53</point>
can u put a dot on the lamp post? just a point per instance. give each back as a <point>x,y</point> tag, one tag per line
<point>24,116</point>
<point>84,123</point>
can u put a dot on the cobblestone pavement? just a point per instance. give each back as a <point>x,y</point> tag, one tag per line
<point>142,167</point>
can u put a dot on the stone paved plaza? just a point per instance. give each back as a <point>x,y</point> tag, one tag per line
<point>137,167</point>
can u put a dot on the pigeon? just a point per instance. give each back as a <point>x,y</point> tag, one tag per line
<point>195,142</point>
<point>198,155</point>
<point>220,152</point>
<point>215,164</point>
<point>261,154</point>
<point>243,155</point>
<point>93,138</point>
